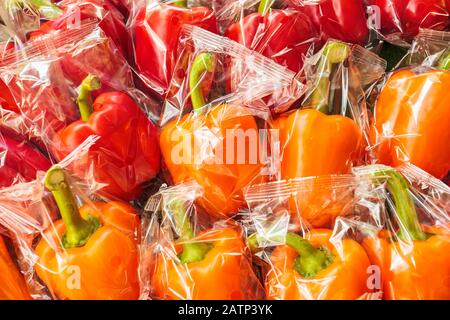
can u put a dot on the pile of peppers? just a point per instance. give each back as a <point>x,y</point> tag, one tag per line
<point>88,126</point>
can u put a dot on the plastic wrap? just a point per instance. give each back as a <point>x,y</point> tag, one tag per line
<point>89,253</point>
<point>399,20</point>
<point>44,74</point>
<point>411,240</point>
<point>344,20</point>
<point>285,35</point>
<point>410,121</point>
<point>70,13</point>
<point>156,27</point>
<point>329,133</point>
<point>301,262</point>
<point>181,258</point>
<point>235,70</point>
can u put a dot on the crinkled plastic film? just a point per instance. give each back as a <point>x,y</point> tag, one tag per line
<point>411,243</point>
<point>180,257</point>
<point>58,259</point>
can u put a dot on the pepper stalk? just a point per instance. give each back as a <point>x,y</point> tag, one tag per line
<point>265,6</point>
<point>78,229</point>
<point>84,100</point>
<point>203,63</point>
<point>46,8</point>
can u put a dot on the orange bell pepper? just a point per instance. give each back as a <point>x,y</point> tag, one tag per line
<point>316,144</point>
<point>12,284</point>
<point>91,254</point>
<point>197,147</point>
<point>411,121</point>
<point>312,268</point>
<point>209,266</point>
<point>414,265</point>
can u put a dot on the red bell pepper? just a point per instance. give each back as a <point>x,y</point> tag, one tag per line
<point>282,35</point>
<point>157,31</point>
<point>407,16</point>
<point>20,161</point>
<point>127,153</point>
<point>343,20</point>
<point>70,12</point>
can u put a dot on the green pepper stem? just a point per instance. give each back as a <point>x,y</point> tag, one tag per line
<point>192,251</point>
<point>78,230</point>
<point>204,62</point>
<point>264,6</point>
<point>180,3</point>
<point>311,260</point>
<point>398,187</point>
<point>444,63</point>
<point>89,84</point>
<point>333,53</point>
<point>45,7</point>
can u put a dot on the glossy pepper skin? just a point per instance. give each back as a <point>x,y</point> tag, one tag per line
<point>13,285</point>
<point>99,239</point>
<point>414,255</point>
<point>343,20</point>
<point>325,272</point>
<point>21,161</point>
<point>407,16</point>
<point>185,157</point>
<point>411,121</point>
<point>127,153</point>
<point>69,12</point>
<point>218,275</point>
<point>157,31</point>
<point>282,35</point>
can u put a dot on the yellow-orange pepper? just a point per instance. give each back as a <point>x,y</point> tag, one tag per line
<point>91,254</point>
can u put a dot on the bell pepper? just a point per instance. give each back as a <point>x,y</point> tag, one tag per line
<point>411,120</point>
<point>282,35</point>
<point>69,12</point>
<point>186,142</point>
<point>91,253</point>
<point>21,161</point>
<point>316,268</point>
<point>407,16</point>
<point>316,144</point>
<point>343,20</point>
<point>157,31</point>
<point>127,154</point>
<point>13,285</point>
<point>414,263</point>
<point>210,257</point>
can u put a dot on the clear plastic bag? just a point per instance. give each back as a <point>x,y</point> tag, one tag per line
<point>156,27</point>
<point>398,21</point>
<point>406,128</point>
<point>181,258</point>
<point>410,241</point>
<point>328,134</point>
<point>301,262</point>
<point>90,253</point>
<point>283,35</point>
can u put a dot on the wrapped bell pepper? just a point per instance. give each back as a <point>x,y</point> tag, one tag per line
<point>20,162</point>
<point>305,133</point>
<point>404,18</point>
<point>201,146</point>
<point>408,251</point>
<point>343,20</point>
<point>157,30</point>
<point>69,13</point>
<point>98,242</point>
<point>126,155</point>
<point>185,267</point>
<point>282,35</point>
<point>13,285</point>
<point>408,128</point>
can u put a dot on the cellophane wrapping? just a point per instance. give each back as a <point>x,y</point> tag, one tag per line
<point>181,256</point>
<point>55,270</point>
